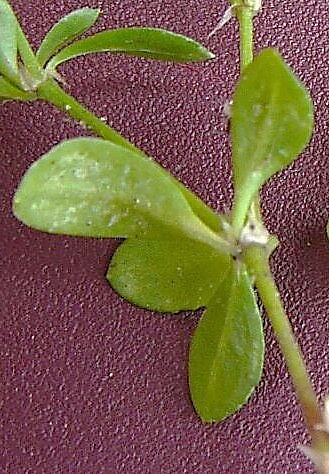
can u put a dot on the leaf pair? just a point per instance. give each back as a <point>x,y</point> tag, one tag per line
<point>152,43</point>
<point>55,49</point>
<point>91,187</point>
<point>227,348</point>
<point>16,58</point>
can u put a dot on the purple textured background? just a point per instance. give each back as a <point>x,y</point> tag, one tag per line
<point>94,385</point>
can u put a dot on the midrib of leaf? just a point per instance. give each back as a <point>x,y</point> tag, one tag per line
<point>266,134</point>
<point>225,332</point>
<point>244,191</point>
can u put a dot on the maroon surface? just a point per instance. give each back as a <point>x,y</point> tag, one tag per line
<point>93,385</point>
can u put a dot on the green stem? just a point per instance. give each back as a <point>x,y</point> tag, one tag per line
<point>245,16</point>
<point>51,92</point>
<point>258,266</point>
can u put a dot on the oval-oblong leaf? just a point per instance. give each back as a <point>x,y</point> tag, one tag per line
<point>65,30</point>
<point>227,349</point>
<point>153,43</point>
<point>92,187</point>
<point>271,123</point>
<point>166,272</point>
<point>8,43</point>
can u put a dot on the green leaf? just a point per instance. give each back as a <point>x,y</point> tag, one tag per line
<point>167,272</point>
<point>10,92</point>
<point>154,43</point>
<point>8,42</point>
<point>271,123</point>
<point>227,349</point>
<point>207,215</point>
<point>66,30</point>
<point>91,187</point>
